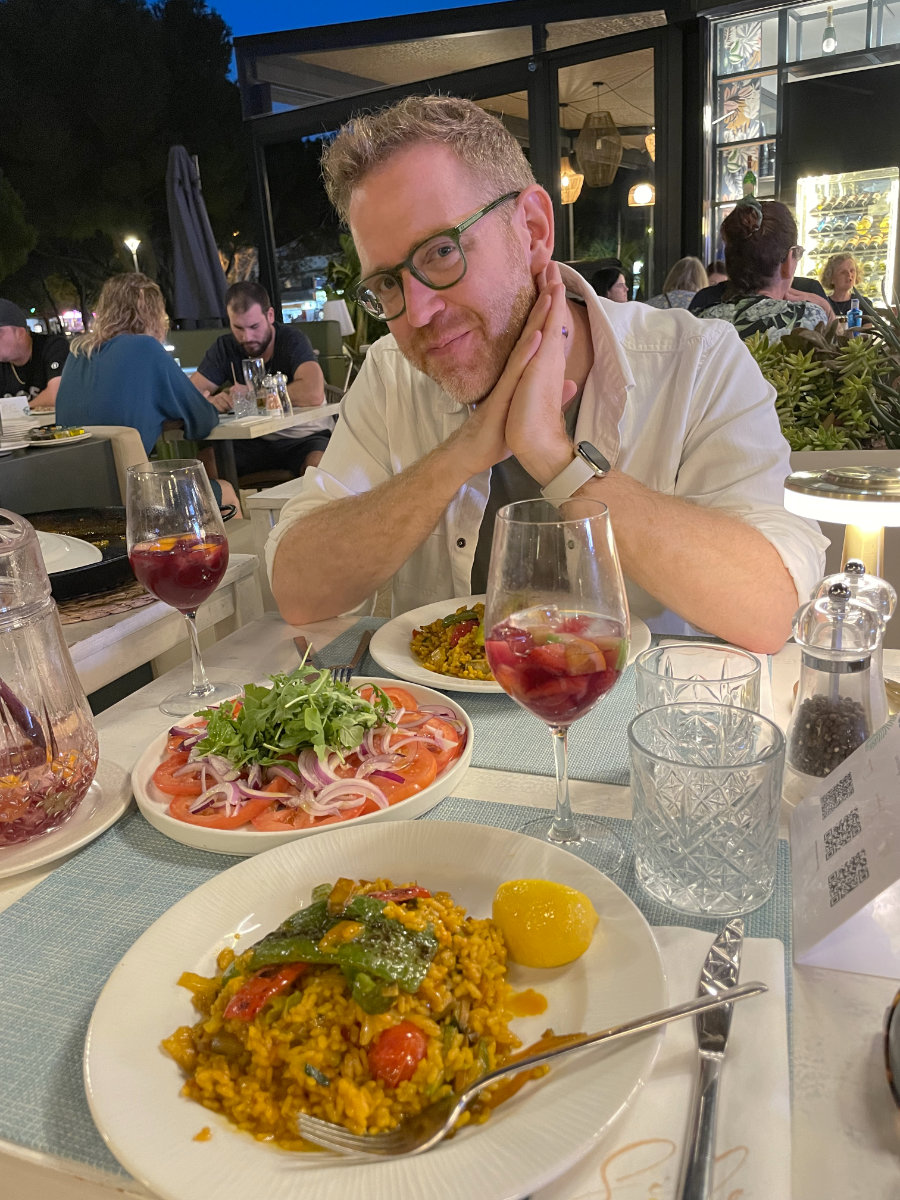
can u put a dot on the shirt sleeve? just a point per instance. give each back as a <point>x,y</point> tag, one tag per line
<point>56,351</point>
<point>735,457</point>
<point>184,402</point>
<point>215,363</point>
<point>300,349</point>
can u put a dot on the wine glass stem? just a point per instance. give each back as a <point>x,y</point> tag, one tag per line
<point>563,827</point>
<point>201,685</point>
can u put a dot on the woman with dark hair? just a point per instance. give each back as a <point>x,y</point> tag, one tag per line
<point>609,282</point>
<point>762,256</point>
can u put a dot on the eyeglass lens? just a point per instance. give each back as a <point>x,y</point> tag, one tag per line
<point>892,1048</point>
<point>439,262</point>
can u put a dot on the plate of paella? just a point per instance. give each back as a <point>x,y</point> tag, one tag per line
<point>441,645</point>
<point>222,1068</point>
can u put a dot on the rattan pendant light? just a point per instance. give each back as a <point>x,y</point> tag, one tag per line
<point>599,147</point>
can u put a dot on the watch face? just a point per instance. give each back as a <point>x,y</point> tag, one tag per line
<point>593,456</point>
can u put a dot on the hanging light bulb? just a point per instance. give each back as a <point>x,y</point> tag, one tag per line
<point>829,36</point>
<point>641,195</point>
<point>570,182</point>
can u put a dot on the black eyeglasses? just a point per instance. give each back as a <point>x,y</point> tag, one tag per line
<point>438,262</point>
<point>892,1048</point>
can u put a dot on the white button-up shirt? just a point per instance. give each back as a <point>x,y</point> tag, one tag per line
<point>676,403</point>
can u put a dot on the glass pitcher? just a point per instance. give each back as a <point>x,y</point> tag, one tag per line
<point>48,744</point>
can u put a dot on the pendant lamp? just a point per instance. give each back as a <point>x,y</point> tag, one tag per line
<point>570,182</point>
<point>599,147</point>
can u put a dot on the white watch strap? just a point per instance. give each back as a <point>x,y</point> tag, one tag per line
<point>569,480</point>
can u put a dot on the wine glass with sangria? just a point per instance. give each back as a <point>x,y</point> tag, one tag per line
<point>178,551</point>
<point>557,630</point>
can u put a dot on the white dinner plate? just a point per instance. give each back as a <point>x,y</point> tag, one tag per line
<point>107,798</point>
<point>7,445</point>
<point>60,441</point>
<point>133,1088</point>
<point>154,804</point>
<point>61,552</point>
<point>390,646</point>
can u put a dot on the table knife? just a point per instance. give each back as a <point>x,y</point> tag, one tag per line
<point>720,970</point>
<point>304,648</point>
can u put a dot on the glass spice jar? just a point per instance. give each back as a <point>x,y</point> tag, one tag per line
<point>833,714</point>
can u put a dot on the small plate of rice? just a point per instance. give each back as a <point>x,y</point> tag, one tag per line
<point>181,1149</point>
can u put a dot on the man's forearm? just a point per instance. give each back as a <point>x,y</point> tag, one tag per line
<point>341,553</point>
<point>714,570</point>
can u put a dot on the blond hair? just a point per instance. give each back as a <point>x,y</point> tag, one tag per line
<point>128,303</point>
<point>827,276</point>
<point>479,140</point>
<point>688,275</point>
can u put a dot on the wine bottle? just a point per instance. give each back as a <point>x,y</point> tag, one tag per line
<point>749,178</point>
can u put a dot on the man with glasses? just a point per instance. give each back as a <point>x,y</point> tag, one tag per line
<point>505,376</point>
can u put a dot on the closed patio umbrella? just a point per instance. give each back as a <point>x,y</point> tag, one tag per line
<point>198,279</point>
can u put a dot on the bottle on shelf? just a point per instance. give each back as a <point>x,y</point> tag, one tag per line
<point>749,184</point>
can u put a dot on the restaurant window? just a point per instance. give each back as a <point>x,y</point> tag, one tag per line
<point>809,31</point>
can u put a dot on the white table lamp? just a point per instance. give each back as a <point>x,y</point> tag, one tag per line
<point>864,499</point>
<point>337,310</point>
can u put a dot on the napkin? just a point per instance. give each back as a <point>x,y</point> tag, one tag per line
<point>639,1157</point>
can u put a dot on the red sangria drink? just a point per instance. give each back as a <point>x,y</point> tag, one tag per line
<point>556,664</point>
<point>178,551</point>
<point>181,570</point>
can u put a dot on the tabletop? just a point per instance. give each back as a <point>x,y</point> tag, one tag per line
<point>236,429</point>
<point>845,1131</point>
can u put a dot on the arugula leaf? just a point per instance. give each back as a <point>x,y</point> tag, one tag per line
<point>305,708</point>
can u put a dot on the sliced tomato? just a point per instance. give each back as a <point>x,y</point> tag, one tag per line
<point>398,696</point>
<point>167,781</point>
<point>215,818</point>
<point>248,1001</point>
<point>395,1053</point>
<point>447,733</point>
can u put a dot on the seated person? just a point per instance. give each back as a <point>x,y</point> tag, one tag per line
<point>716,272</point>
<point>119,373</point>
<point>610,283</point>
<point>30,363</point>
<point>682,283</point>
<point>283,348</point>
<point>802,288</point>
<point>500,368</point>
<point>840,275</point>
<point>761,256</point>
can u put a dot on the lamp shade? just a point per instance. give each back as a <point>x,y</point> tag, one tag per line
<point>641,195</point>
<point>337,310</point>
<point>599,149</point>
<point>865,496</point>
<point>570,182</point>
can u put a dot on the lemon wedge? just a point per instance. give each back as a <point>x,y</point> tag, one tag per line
<point>544,924</point>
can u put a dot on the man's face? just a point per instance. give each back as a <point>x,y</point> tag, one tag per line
<point>462,336</point>
<point>253,330</point>
<point>14,342</point>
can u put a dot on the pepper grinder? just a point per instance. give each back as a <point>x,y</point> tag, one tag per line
<point>833,714</point>
<point>878,593</point>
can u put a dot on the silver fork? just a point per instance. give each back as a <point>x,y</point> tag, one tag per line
<point>344,672</point>
<point>419,1133</point>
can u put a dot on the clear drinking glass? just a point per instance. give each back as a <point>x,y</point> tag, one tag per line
<point>557,630</point>
<point>254,370</point>
<point>178,551</point>
<point>706,796</point>
<point>699,672</point>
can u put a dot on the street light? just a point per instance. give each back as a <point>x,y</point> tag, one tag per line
<point>132,243</point>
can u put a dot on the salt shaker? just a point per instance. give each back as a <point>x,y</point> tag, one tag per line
<point>878,593</point>
<point>833,713</point>
<point>270,399</point>
<point>281,382</point>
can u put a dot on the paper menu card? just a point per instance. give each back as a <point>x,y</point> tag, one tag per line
<point>845,863</point>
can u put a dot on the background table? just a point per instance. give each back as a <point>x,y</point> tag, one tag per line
<point>60,476</point>
<point>231,429</point>
<point>845,1127</point>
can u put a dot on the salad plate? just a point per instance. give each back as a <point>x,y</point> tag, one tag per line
<point>247,840</point>
<point>528,1141</point>
<point>390,647</point>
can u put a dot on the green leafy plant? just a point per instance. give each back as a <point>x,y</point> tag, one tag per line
<point>342,276</point>
<point>833,392</point>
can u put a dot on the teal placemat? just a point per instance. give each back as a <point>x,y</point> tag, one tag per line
<point>507,738</point>
<point>59,943</point>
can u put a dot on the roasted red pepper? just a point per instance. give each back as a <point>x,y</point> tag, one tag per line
<point>249,1000</point>
<point>399,894</point>
<point>460,630</point>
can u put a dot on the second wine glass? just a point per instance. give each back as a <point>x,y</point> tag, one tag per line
<point>557,633</point>
<point>179,552</point>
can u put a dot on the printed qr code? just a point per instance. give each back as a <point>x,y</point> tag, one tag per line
<point>847,878</point>
<point>836,795</point>
<point>846,829</point>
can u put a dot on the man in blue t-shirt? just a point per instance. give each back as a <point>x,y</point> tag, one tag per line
<point>256,334</point>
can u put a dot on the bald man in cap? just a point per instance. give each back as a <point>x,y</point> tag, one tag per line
<point>30,363</point>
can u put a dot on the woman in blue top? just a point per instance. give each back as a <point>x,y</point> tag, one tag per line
<point>119,373</point>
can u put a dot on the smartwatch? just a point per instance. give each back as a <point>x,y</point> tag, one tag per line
<point>588,463</point>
